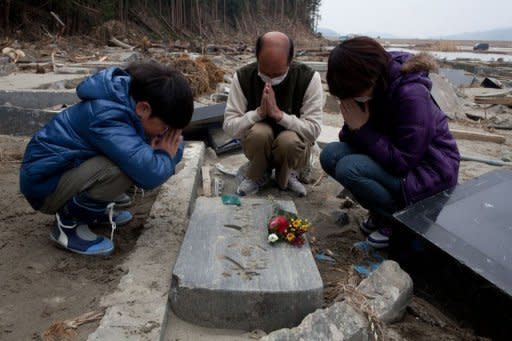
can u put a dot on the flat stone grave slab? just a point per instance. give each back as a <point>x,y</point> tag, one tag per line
<point>228,276</point>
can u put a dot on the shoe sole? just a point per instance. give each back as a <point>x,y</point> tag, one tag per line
<point>377,245</point>
<point>60,246</point>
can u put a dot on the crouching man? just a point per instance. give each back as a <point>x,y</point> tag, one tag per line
<point>275,108</point>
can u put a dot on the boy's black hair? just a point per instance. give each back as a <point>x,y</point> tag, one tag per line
<point>165,89</point>
<point>291,50</point>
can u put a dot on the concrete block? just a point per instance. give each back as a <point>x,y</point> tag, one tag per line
<point>38,99</point>
<point>331,104</point>
<point>25,81</point>
<point>6,68</point>
<point>228,276</point>
<point>339,322</point>
<point>316,66</point>
<point>137,309</point>
<point>445,96</point>
<point>389,290</point>
<point>22,122</point>
<point>329,134</point>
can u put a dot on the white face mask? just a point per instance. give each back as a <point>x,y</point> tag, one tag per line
<point>274,81</point>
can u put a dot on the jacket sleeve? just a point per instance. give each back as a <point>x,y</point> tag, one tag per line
<point>310,122</point>
<point>410,136</point>
<point>113,134</point>
<point>236,119</point>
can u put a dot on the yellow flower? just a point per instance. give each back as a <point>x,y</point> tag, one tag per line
<point>290,237</point>
<point>296,223</point>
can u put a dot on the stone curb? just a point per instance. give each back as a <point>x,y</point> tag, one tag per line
<point>137,309</point>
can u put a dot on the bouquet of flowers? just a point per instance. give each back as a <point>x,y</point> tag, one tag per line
<point>286,226</point>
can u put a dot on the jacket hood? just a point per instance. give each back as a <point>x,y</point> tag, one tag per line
<point>408,68</point>
<point>111,84</point>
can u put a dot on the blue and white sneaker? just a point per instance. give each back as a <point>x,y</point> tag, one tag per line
<point>80,239</point>
<point>380,238</point>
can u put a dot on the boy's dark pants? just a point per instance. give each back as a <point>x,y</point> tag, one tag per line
<point>98,176</point>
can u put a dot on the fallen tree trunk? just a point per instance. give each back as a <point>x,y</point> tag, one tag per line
<point>119,43</point>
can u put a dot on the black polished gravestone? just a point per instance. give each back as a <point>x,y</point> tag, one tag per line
<point>457,245</point>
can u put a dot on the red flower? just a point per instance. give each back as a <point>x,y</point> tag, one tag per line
<point>278,223</point>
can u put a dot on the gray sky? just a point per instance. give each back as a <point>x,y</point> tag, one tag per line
<point>415,18</point>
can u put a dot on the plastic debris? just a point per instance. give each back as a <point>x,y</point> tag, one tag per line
<point>364,270</point>
<point>231,199</point>
<point>321,256</point>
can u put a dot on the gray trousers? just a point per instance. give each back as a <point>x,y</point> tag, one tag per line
<point>285,152</point>
<point>98,176</point>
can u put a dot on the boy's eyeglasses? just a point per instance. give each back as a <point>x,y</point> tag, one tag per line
<point>162,134</point>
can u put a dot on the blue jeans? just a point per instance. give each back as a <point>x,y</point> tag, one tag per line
<point>373,187</point>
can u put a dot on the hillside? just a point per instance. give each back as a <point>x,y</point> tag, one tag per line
<point>496,34</point>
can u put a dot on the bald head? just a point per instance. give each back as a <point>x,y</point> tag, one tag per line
<point>274,52</point>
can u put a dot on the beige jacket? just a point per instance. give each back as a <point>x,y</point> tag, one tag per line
<point>308,126</point>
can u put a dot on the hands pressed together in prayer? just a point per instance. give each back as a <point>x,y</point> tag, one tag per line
<point>268,106</point>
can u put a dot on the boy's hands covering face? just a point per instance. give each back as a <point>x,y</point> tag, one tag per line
<point>169,142</point>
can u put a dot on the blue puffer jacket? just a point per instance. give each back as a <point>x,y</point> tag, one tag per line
<point>103,123</point>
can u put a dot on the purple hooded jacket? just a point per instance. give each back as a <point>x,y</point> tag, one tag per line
<point>407,133</point>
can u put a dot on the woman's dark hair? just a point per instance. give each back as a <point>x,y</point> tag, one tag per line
<point>291,48</point>
<point>356,65</point>
<point>165,89</point>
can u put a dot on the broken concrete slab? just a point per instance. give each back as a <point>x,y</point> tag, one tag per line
<point>137,309</point>
<point>316,66</point>
<point>388,290</point>
<point>328,134</point>
<point>340,322</point>
<point>38,99</point>
<point>445,96</point>
<point>6,67</point>
<point>25,81</point>
<point>23,122</point>
<point>332,105</point>
<point>228,276</point>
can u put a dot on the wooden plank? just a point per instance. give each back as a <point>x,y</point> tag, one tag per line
<point>207,181</point>
<point>477,136</point>
<point>493,100</point>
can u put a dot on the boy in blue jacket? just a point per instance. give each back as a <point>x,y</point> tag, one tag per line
<point>126,130</point>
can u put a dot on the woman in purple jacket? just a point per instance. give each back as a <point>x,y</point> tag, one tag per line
<point>395,146</point>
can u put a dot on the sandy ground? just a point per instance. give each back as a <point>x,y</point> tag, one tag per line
<point>40,284</point>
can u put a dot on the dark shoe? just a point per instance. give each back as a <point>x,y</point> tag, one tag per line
<point>369,225</point>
